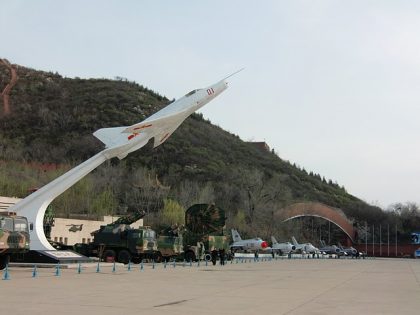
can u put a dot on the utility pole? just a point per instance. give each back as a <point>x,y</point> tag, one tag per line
<point>329,232</point>
<point>396,241</point>
<point>366,237</point>
<point>380,240</point>
<point>373,240</point>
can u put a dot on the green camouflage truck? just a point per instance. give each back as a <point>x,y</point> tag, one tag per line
<point>122,243</point>
<point>200,246</point>
<point>170,242</point>
<point>205,231</point>
<point>14,236</point>
<point>118,241</point>
<point>170,247</point>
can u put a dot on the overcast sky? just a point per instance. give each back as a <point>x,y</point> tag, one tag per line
<point>333,86</point>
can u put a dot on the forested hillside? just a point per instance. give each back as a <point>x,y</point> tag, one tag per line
<point>49,129</point>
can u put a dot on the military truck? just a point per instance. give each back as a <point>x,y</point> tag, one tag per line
<point>118,241</point>
<point>170,242</point>
<point>205,231</point>
<point>14,236</point>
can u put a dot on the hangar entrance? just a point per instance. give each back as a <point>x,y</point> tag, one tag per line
<point>315,221</point>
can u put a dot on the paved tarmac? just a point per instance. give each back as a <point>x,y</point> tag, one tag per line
<point>338,286</point>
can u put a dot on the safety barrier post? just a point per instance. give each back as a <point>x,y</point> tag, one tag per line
<point>79,269</point>
<point>34,272</point>
<point>114,268</point>
<point>141,265</point>
<point>6,274</point>
<point>57,270</point>
<point>129,266</point>
<point>98,268</point>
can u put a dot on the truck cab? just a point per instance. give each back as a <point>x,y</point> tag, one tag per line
<point>14,236</point>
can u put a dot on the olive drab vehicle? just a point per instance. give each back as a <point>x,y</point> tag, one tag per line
<point>170,242</point>
<point>14,236</point>
<point>205,231</point>
<point>118,241</point>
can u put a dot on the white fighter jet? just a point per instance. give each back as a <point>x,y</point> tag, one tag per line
<point>253,244</point>
<point>306,248</point>
<point>282,248</point>
<point>119,141</point>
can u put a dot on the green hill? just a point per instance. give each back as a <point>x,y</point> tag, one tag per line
<point>52,119</point>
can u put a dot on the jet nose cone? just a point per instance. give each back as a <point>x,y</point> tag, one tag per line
<point>264,244</point>
<point>293,247</point>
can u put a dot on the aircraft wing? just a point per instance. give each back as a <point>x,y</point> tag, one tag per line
<point>165,122</point>
<point>163,136</point>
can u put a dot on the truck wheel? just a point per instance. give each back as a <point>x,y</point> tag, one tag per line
<point>4,260</point>
<point>189,256</point>
<point>109,255</point>
<point>124,256</point>
<point>157,257</point>
<point>207,257</point>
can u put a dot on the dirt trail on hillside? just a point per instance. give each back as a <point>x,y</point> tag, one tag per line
<point>5,94</point>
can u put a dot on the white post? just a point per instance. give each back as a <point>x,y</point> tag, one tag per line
<point>34,206</point>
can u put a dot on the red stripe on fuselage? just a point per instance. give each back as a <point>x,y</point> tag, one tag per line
<point>143,127</point>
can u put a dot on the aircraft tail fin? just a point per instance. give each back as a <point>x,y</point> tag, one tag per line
<point>273,240</point>
<point>294,241</point>
<point>322,242</point>
<point>235,236</point>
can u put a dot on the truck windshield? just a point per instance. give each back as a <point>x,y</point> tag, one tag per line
<point>21,225</point>
<point>149,234</point>
<point>6,224</point>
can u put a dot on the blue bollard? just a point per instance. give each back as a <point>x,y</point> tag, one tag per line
<point>190,262</point>
<point>141,265</point>
<point>6,274</point>
<point>153,264</point>
<point>34,272</point>
<point>207,263</point>
<point>57,270</point>
<point>98,269</point>
<point>114,269</point>
<point>164,264</point>
<point>129,266</point>
<point>79,269</point>
<point>198,263</point>
<point>174,262</point>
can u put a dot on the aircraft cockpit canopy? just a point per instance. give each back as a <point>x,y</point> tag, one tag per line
<point>192,92</point>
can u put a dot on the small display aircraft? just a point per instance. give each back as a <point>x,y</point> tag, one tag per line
<point>306,248</point>
<point>252,245</point>
<point>282,248</point>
